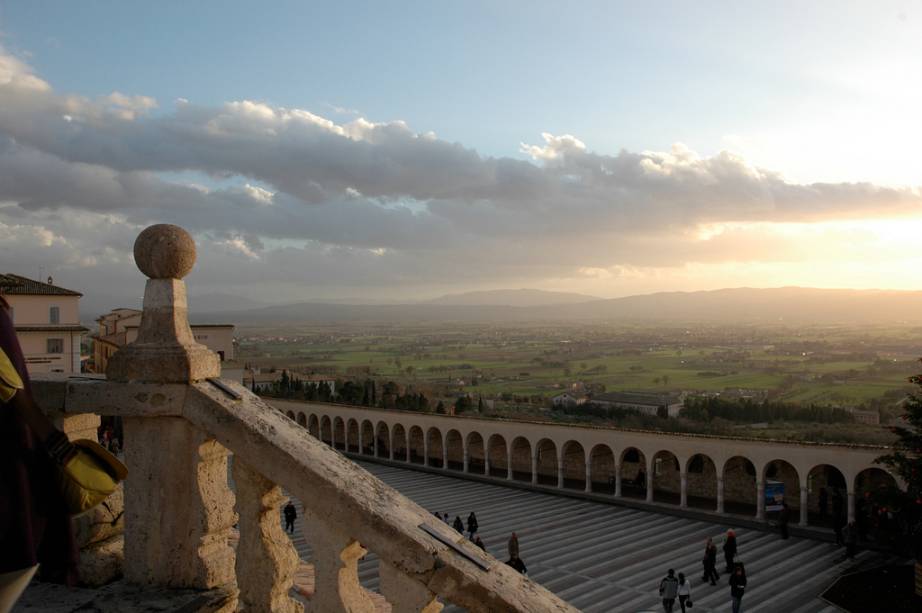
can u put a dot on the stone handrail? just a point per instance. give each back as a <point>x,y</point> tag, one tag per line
<point>347,510</point>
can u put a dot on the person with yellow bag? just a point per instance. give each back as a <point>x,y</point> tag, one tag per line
<point>44,480</point>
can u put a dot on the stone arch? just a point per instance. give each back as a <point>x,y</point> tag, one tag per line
<point>454,446</point>
<point>417,445</point>
<point>521,459</point>
<point>602,469</point>
<point>290,415</point>
<point>326,430</point>
<point>436,448</point>
<point>666,477</point>
<point>573,465</point>
<point>399,436</point>
<point>785,472</point>
<point>873,479</point>
<point>368,438</point>
<point>823,481</point>
<point>499,456</point>
<point>475,453</point>
<point>339,433</point>
<point>352,436</point>
<point>739,475</point>
<point>546,462</point>
<point>633,473</point>
<point>313,426</point>
<point>383,436</point>
<point>701,487</point>
<point>302,420</point>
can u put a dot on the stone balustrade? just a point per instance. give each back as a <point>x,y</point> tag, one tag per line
<point>181,424</point>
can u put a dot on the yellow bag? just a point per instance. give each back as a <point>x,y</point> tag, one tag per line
<point>90,476</point>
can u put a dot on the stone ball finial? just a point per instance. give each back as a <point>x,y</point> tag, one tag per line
<point>164,251</point>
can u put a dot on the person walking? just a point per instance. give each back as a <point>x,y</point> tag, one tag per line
<point>851,540</point>
<point>668,590</point>
<point>513,546</point>
<point>291,514</point>
<point>517,563</point>
<point>737,587</point>
<point>710,563</point>
<point>472,525</point>
<point>445,519</point>
<point>458,525</point>
<point>784,516</point>
<point>479,542</point>
<point>684,592</point>
<point>730,549</point>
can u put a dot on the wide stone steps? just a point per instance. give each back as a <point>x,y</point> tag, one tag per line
<point>604,558</point>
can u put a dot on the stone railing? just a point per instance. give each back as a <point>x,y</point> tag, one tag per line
<point>181,423</point>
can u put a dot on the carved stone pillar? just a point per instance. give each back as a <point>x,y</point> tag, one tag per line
<point>267,561</point>
<point>683,496</point>
<point>804,501</point>
<point>760,499</point>
<point>617,481</point>
<point>178,508</point>
<point>467,459</point>
<point>404,593</point>
<point>426,449</point>
<point>509,462</point>
<point>534,467</point>
<point>720,494</point>
<point>649,497</point>
<point>336,579</point>
<point>560,467</point>
<point>588,487</point>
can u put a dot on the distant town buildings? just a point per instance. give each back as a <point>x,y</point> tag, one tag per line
<point>120,327</point>
<point>568,400</point>
<point>47,322</point>
<point>649,403</point>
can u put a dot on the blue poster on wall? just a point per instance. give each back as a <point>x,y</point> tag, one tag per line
<point>774,495</point>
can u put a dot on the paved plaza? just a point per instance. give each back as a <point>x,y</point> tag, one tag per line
<point>606,558</point>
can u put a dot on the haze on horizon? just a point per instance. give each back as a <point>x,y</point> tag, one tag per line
<point>405,153</point>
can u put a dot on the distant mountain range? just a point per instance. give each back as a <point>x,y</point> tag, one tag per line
<point>512,297</point>
<point>793,305</point>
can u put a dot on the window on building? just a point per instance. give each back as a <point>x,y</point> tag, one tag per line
<point>55,315</point>
<point>55,345</point>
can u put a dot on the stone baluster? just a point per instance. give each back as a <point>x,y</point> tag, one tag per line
<point>804,502</point>
<point>720,494</point>
<point>336,578</point>
<point>179,510</point>
<point>509,462</point>
<point>683,496</point>
<point>760,499</point>
<point>588,487</point>
<point>560,467</point>
<point>266,560</point>
<point>404,593</point>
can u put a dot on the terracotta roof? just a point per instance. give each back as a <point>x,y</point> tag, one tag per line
<point>15,284</point>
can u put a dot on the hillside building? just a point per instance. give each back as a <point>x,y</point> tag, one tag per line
<point>47,322</point>
<point>649,403</point>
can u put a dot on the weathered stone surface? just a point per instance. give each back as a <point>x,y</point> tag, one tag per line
<point>337,588</point>
<point>405,593</point>
<point>123,597</point>
<point>266,559</point>
<point>102,562</point>
<point>103,521</point>
<point>164,251</point>
<point>179,510</point>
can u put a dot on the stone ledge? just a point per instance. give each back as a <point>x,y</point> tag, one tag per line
<point>122,597</point>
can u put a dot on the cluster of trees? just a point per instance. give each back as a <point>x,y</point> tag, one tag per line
<point>705,409</point>
<point>365,392</point>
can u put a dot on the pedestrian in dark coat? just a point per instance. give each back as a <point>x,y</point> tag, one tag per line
<point>668,590</point>
<point>291,514</point>
<point>479,542</point>
<point>472,525</point>
<point>730,549</point>
<point>517,563</point>
<point>458,525</point>
<point>737,587</point>
<point>710,563</point>
<point>783,518</point>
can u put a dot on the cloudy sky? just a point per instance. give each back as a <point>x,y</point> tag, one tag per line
<point>403,150</point>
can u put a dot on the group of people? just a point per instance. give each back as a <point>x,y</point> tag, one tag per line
<point>674,587</point>
<point>515,561</point>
